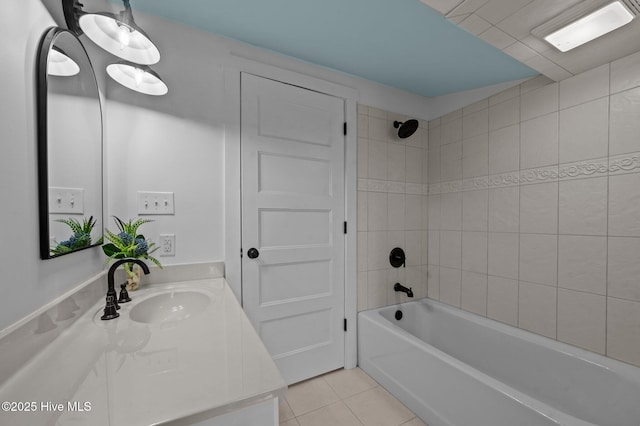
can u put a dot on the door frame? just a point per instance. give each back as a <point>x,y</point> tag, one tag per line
<point>233,207</point>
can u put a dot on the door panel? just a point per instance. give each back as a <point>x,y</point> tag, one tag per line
<point>292,150</point>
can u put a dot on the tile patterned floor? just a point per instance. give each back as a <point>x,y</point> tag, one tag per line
<point>343,398</point>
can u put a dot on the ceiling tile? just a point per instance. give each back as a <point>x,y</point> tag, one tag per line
<point>496,10</point>
<point>521,23</point>
<point>548,68</point>
<point>497,37</point>
<point>442,6</point>
<point>475,24</point>
<point>467,6</point>
<point>520,51</point>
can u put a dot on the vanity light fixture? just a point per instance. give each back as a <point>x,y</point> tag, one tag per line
<point>590,26</point>
<point>140,78</point>
<point>59,64</point>
<point>116,33</point>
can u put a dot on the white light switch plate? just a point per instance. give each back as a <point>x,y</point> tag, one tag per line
<point>155,203</point>
<point>66,200</point>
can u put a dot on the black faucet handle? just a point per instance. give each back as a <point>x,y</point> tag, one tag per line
<point>124,294</point>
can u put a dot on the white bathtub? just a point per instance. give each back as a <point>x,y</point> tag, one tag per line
<point>454,368</point>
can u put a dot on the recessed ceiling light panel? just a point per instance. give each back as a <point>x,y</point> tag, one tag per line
<point>588,27</point>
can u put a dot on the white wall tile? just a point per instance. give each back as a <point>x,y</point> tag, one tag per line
<point>377,212</point>
<point>584,131</point>
<point>378,113</point>
<point>624,205</point>
<point>413,164</point>
<point>434,248</point>
<point>582,263</point>
<point>363,158</point>
<point>396,212</point>
<point>504,114</point>
<point>539,141</point>
<point>504,209</point>
<point>503,249</point>
<point>474,293</point>
<point>433,282</point>
<point>475,209</point>
<point>378,129</point>
<point>623,330</point>
<point>452,116</point>
<point>539,258</point>
<point>539,102</point>
<point>474,252</point>
<point>451,211</point>
<point>584,87</point>
<point>451,161</point>
<point>363,256</point>
<point>476,107</point>
<point>625,73</point>
<point>475,124</point>
<point>450,286</point>
<point>413,212</point>
<point>624,126</point>
<point>497,38</point>
<point>537,308</point>
<point>363,210</point>
<point>425,166</point>
<point>451,249</point>
<point>582,319</point>
<point>413,248</point>
<point>396,162</point>
<point>425,249</point>
<point>505,95</point>
<point>539,208</point>
<point>504,149</point>
<point>377,289</point>
<point>363,126</point>
<point>433,171</point>
<point>475,156</point>
<point>434,137</point>
<point>583,206</point>
<point>377,253</point>
<point>451,131</point>
<point>433,208</point>
<point>363,301</point>
<point>502,300</point>
<point>624,268</point>
<point>377,160</point>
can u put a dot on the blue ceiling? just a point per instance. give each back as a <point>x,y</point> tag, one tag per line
<point>399,43</point>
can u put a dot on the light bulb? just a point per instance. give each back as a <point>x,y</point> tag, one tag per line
<point>138,76</point>
<point>124,36</point>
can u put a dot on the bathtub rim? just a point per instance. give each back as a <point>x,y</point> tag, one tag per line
<point>620,368</point>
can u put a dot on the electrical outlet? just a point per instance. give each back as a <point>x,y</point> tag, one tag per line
<point>167,245</point>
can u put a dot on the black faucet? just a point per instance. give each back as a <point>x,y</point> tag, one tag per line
<point>111,309</point>
<point>400,287</point>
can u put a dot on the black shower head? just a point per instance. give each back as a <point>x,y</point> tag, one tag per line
<point>406,129</point>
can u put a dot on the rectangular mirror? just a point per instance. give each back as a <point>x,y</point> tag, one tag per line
<point>69,147</point>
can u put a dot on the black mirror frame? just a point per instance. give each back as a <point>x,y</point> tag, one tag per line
<point>42,142</point>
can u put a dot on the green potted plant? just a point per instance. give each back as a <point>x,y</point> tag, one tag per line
<point>128,243</point>
<point>80,238</point>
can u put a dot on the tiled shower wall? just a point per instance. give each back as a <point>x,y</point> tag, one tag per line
<point>534,208</point>
<point>392,176</point>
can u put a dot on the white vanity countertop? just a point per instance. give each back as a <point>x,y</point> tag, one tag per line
<point>146,374</point>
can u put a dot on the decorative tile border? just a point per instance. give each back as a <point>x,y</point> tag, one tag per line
<point>539,175</point>
<point>600,167</point>
<point>626,163</point>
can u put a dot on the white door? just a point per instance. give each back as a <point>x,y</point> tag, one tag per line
<point>292,150</point>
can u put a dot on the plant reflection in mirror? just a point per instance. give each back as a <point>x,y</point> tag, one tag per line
<point>80,238</point>
<point>128,243</point>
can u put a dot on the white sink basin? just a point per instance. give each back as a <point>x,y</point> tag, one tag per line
<point>171,306</point>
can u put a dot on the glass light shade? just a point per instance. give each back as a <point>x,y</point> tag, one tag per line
<point>60,64</point>
<point>139,78</point>
<point>590,27</point>
<point>126,41</point>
